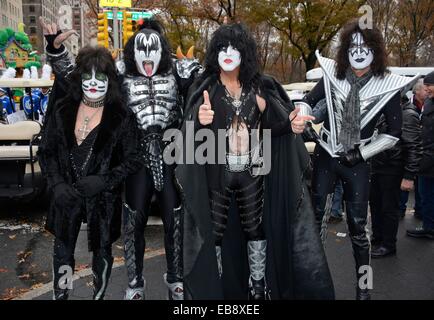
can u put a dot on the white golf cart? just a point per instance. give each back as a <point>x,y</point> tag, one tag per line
<point>20,175</point>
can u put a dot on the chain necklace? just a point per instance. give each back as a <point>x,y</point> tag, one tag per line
<point>84,131</point>
<point>236,101</point>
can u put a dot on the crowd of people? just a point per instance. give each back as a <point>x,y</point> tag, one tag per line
<point>246,225</point>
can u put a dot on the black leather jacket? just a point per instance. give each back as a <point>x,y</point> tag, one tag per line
<point>427,163</point>
<point>404,158</point>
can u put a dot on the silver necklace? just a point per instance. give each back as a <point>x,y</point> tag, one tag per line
<point>84,127</point>
<point>236,101</point>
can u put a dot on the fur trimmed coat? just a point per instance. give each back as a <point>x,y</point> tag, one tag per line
<point>115,156</point>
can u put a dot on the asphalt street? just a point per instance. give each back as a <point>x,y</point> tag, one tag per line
<point>25,262</point>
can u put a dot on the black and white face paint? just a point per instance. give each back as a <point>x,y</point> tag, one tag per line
<point>147,52</point>
<point>94,85</point>
<point>359,54</point>
<point>229,58</point>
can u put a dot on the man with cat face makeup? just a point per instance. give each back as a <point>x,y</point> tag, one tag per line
<point>154,85</point>
<point>90,144</point>
<point>358,89</point>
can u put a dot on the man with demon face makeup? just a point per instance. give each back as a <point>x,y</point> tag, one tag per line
<point>357,89</point>
<point>90,144</point>
<point>154,86</point>
<point>248,235</point>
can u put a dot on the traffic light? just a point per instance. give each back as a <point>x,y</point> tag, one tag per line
<point>127,26</point>
<point>103,35</point>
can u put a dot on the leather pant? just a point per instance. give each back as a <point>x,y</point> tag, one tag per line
<point>249,196</point>
<point>138,194</point>
<point>355,182</point>
<point>64,264</point>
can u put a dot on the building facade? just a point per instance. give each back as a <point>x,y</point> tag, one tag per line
<point>11,12</point>
<point>52,11</point>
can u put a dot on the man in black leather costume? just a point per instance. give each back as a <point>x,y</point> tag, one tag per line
<point>247,234</point>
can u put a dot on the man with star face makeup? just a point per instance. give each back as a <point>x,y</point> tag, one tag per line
<point>89,145</point>
<point>247,235</point>
<point>358,89</point>
<point>154,86</point>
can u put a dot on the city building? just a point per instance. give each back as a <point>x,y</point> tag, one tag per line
<point>11,14</point>
<point>59,11</point>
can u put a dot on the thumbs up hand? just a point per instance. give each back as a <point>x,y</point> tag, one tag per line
<point>206,115</point>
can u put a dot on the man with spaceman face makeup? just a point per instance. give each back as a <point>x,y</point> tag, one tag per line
<point>358,89</point>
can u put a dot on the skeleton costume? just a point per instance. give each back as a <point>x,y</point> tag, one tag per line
<point>154,85</point>
<point>348,139</point>
<point>84,168</point>
<point>243,236</point>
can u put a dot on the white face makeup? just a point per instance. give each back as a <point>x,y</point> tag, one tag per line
<point>229,58</point>
<point>359,54</point>
<point>147,53</point>
<point>94,85</point>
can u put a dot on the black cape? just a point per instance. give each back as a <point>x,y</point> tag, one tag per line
<point>296,263</point>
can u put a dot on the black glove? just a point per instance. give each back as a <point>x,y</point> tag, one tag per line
<point>65,193</point>
<point>90,186</point>
<point>50,43</point>
<point>309,133</point>
<point>351,158</point>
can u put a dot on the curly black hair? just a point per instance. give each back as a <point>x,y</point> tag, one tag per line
<point>240,38</point>
<point>145,26</point>
<point>100,59</point>
<point>373,39</point>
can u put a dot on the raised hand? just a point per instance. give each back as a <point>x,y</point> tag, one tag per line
<point>206,115</point>
<point>298,122</point>
<point>55,37</point>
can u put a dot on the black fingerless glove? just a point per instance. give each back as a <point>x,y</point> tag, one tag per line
<point>50,43</point>
<point>351,158</point>
<point>65,193</point>
<point>90,186</point>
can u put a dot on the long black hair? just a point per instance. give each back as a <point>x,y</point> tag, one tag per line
<point>373,39</point>
<point>153,25</point>
<point>102,61</point>
<point>240,38</point>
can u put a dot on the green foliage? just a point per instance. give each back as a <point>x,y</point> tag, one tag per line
<point>29,64</point>
<point>3,38</point>
<point>22,38</point>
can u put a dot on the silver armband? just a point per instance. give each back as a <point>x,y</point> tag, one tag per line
<point>378,144</point>
<point>305,109</point>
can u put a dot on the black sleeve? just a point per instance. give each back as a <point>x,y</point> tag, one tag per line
<point>316,94</point>
<point>393,114</point>
<point>276,116</point>
<point>48,153</point>
<point>129,148</point>
<point>411,142</point>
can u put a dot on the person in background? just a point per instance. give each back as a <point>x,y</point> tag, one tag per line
<point>337,212</point>
<point>393,170</point>
<point>420,93</point>
<point>426,171</point>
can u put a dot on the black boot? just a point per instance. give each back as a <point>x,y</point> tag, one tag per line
<point>134,248</point>
<point>218,253</point>
<point>256,251</point>
<point>101,268</point>
<point>173,279</point>
<point>357,218</point>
